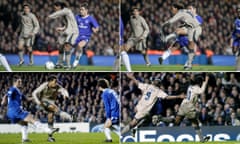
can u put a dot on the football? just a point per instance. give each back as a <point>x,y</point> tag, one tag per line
<point>49,65</point>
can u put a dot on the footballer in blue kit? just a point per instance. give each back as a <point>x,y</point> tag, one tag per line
<point>235,40</point>
<point>87,25</point>
<point>111,104</point>
<point>181,38</point>
<point>15,112</point>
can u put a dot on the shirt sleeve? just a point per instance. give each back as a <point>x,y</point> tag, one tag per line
<point>59,13</point>
<point>94,22</point>
<point>162,94</point>
<point>36,24</point>
<point>37,91</point>
<point>145,27</point>
<point>106,105</point>
<point>142,86</point>
<point>175,18</point>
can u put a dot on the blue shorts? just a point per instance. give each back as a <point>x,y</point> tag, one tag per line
<point>16,115</point>
<point>183,41</point>
<point>236,43</point>
<point>82,38</point>
<point>115,120</point>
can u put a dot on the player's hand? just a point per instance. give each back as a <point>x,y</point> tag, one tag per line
<point>206,78</point>
<point>182,96</point>
<point>59,29</point>
<point>108,123</point>
<point>95,30</point>
<point>140,38</point>
<point>130,75</point>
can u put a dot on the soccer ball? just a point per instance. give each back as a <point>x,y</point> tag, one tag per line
<point>49,65</point>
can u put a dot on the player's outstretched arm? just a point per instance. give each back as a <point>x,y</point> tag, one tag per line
<point>4,100</point>
<point>130,75</point>
<point>181,96</point>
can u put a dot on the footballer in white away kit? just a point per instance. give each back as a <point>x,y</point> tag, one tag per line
<point>29,28</point>
<point>194,29</point>
<point>45,96</point>
<point>188,106</point>
<point>150,94</point>
<point>67,34</point>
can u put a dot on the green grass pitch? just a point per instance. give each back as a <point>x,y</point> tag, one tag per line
<point>42,68</point>
<point>61,138</point>
<point>179,68</point>
<point>217,142</point>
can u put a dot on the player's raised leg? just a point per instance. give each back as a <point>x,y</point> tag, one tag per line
<point>4,62</point>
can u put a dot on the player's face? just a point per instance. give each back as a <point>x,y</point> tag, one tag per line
<point>56,8</point>
<point>52,83</point>
<point>26,9</point>
<point>135,12</point>
<point>192,9</point>
<point>19,83</point>
<point>83,11</point>
<point>174,10</point>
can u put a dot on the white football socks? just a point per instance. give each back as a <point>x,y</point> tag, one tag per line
<point>126,61</point>
<point>4,62</point>
<point>24,132</point>
<point>166,54</point>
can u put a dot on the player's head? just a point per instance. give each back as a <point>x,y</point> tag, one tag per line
<point>52,81</point>
<point>238,10</point>
<point>198,80</point>
<point>102,84</point>
<point>17,81</point>
<point>176,7</point>
<point>156,81</point>
<point>26,8</point>
<point>83,9</point>
<point>135,10</point>
<point>58,5</point>
<point>191,7</point>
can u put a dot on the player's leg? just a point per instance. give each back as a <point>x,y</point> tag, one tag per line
<point>128,127</point>
<point>79,52</point>
<point>21,51</point>
<point>142,46</point>
<point>67,49</point>
<point>57,111</point>
<point>61,41</point>
<point>198,130</point>
<point>24,131</point>
<point>4,62</point>
<point>107,131</point>
<point>29,44</point>
<point>124,56</point>
<point>50,125</point>
<point>193,35</point>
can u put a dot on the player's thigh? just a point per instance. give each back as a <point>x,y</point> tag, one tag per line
<point>196,34</point>
<point>141,114</point>
<point>142,46</point>
<point>82,44</point>
<point>182,31</point>
<point>29,41</point>
<point>71,38</point>
<point>21,43</point>
<point>130,43</point>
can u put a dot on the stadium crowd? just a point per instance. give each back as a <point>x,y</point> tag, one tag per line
<point>218,21</point>
<point>102,43</point>
<point>219,105</point>
<point>84,102</point>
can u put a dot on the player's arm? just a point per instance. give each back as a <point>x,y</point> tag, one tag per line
<point>57,14</point>
<point>146,29</point>
<point>63,92</point>
<point>107,106</point>
<point>181,96</point>
<point>204,85</point>
<point>95,25</point>
<point>172,20</point>
<point>36,25</point>
<point>4,100</point>
<point>130,75</point>
<point>36,93</point>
